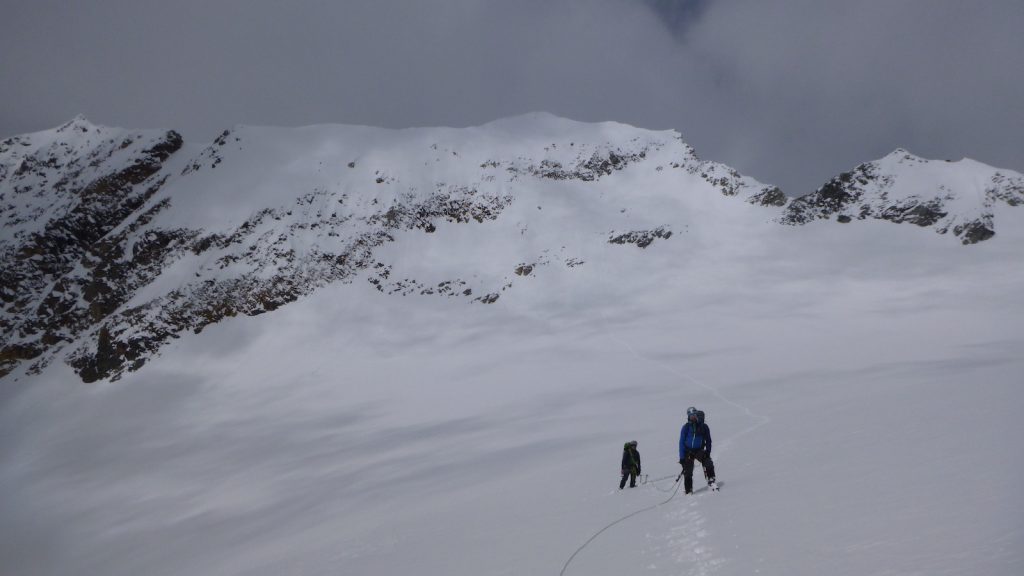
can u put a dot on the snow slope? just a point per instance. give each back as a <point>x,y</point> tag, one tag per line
<point>862,384</point>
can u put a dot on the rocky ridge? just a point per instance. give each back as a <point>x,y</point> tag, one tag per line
<point>958,197</point>
<point>116,242</point>
<point>61,193</point>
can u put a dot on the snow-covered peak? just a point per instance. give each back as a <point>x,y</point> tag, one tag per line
<point>902,154</point>
<point>79,123</point>
<point>61,192</point>
<point>281,212</point>
<point>546,125</point>
<point>949,196</point>
<point>73,134</point>
<point>42,173</point>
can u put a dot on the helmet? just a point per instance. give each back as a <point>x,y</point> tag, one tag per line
<point>691,411</point>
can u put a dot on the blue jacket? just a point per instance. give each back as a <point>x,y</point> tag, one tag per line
<point>694,437</point>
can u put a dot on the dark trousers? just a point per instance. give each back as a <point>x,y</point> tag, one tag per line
<point>705,459</point>
<point>631,474</point>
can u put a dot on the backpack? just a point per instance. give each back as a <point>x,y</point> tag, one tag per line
<point>700,416</point>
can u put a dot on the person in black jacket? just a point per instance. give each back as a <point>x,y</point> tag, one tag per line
<point>695,444</point>
<point>630,464</point>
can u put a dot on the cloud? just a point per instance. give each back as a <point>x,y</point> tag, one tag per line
<point>833,83</point>
<point>789,92</point>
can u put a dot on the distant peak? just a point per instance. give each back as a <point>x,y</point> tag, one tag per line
<point>901,156</point>
<point>546,124</point>
<point>531,120</point>
<point>900,153</point>
<point>79,122</point>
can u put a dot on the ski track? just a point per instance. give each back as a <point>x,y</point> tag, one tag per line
<point>685,542</point>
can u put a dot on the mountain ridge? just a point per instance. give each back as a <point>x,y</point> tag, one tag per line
<point>154,237</point>
<point>957,196</point>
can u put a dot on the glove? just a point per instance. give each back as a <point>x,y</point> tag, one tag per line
<point>680,461</point>
<point>707,453</point>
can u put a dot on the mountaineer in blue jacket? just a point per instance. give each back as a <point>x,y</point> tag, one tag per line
<point>695,444</point>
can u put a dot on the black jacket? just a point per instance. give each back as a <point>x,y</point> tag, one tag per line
<point>630,460</point>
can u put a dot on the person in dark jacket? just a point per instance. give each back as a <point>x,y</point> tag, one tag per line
<point>695,444</point>
<point>630,464</point>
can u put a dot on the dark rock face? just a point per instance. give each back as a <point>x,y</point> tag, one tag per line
<point>587,169</point>
<point>641,238</point>
<point>975,232</point>
<point>835,196</point>
<point>86,191</point>
<point>130,336</point>
<point>770,197</point>
<point>925,213</point>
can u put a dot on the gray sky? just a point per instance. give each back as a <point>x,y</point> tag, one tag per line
<point>788,91</point>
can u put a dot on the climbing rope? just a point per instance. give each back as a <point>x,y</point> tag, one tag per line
<point>623,519</point>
